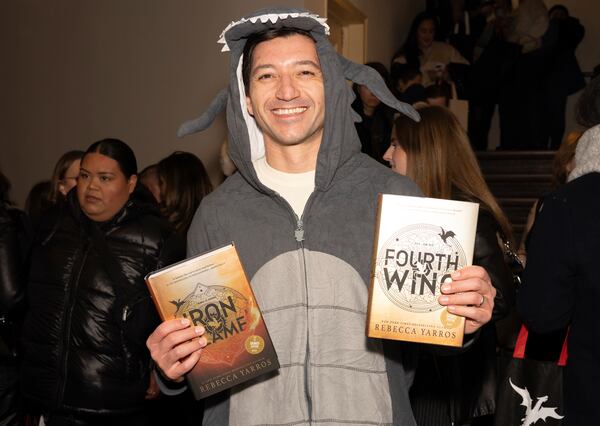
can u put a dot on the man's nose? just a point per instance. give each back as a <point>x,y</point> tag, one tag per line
<point>287,89</point>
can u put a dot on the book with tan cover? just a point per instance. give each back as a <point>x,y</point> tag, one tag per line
<point>418,243</point>
<point>212,290</point>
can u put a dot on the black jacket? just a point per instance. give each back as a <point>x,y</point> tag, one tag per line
<point>84,333</point>
<point>561,288</point>
<point>14,245</point>
<point>458,388</point>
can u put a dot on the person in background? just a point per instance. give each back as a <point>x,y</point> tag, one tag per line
<point>89,310</point>
<point>407,81</point>
<point>564,76</point>
<point>375,126</point>
<point>15,239</point>
<point>564,163</point>
<point>439,94</point>
<point>560,285</point>
<point>149,178</point>
<point>183,183</point>
<point>436,154</point>
<point>422,50</point>
<point>523,97</point>
<point>38,202</point>
<point>64,177</point>
<point>227,165</point>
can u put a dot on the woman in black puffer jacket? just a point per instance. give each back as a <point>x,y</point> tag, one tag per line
<point>85,360</point>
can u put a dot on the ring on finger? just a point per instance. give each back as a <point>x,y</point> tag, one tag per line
<point>482,301</point>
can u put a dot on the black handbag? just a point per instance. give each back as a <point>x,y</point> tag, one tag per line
<point>529,390</point>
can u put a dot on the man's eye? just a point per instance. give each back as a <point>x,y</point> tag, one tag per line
<point>265,76</point>
<point>307,73</point>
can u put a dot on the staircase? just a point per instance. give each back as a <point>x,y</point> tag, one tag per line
<point>517,179</point>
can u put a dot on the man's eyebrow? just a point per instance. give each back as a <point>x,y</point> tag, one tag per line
<point>269,66</point>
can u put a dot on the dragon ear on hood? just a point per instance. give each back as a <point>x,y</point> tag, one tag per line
<point>367,76</point>
<point>206,119</point>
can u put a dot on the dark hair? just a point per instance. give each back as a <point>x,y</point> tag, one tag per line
<point>410,48</point>
<point>257,38</point>
<point>559,7</point>
<point>4,189</point>
<point>439,90</point>
<point>183,184</point>
<point>58,175</point>
<point>588,105</point>
<point>118,151</point>
<point>404,72</point>
<point>38,201</point>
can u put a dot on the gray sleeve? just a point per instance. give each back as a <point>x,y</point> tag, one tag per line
<point>170,389</point>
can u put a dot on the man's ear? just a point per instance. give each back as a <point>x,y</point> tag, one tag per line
<point>249,106</point>
<point>132,182</point>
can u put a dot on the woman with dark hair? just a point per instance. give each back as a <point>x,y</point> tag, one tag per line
<point>183,183</point>
<point>423,51</point>
<point>14,246</point>
<point>64,177</point>
<point>437,155</point>
<point>376,125</point>
<point>89,313</point>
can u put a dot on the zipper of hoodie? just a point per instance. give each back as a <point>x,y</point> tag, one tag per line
<point>299,237</point>
<point>67,317</point>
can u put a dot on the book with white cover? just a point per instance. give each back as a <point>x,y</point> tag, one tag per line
<point>419,243</point>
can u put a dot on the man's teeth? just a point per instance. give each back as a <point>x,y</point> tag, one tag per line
<point>287,111</point>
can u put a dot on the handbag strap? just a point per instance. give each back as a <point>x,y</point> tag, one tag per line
<point>519,352</point>
<point>562,360</point>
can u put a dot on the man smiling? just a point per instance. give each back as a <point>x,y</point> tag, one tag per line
<point>301,211</point>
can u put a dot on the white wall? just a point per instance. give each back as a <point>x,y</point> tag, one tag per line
<point>76,71</point>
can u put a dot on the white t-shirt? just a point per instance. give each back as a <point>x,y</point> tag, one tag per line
<point>295,188</point>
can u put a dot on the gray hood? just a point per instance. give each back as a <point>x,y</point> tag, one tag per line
<point>340,140</point>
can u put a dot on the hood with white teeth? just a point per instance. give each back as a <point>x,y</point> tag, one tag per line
<point>340,140</point>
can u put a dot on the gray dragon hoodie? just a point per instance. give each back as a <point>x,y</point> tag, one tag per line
<point>310,274</point>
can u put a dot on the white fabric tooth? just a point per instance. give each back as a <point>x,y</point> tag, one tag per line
<point>264,19</point>
<point>221,40</point>
<point>273,18</point>
<point>254,19</point>
<point>283,15</point>
<point>225,48</point>
<point>294,15</point>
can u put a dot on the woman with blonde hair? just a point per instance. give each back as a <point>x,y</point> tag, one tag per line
<point>437,155</point>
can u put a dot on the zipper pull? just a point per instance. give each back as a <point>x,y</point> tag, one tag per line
<point>299,232</point>
<point>125,313</point>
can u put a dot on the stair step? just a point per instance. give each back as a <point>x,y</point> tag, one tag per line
<point>517,179</point>
<point>509,162</point>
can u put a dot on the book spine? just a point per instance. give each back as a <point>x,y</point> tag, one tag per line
<point>374,261</point>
